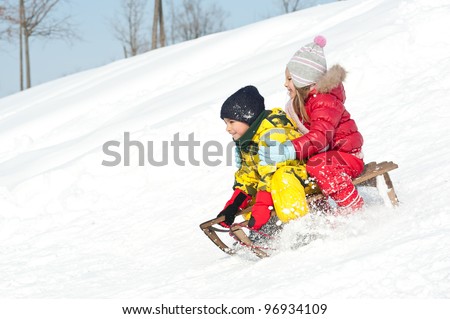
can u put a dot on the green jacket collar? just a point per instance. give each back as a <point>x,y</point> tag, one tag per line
<point>244,140</point>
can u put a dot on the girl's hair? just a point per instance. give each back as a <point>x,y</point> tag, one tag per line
<point>299,102</point>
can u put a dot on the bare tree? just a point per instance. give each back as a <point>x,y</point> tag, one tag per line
<point>290,5</point>
<point>129,27</point>
<point>295,5</point>
<point>4,28</point>
<point>158,21</point>
<point>193,20</point>
<point>37,18</point>
<point>2,18</point>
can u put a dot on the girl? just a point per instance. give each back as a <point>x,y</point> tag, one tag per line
<point>331,142</point>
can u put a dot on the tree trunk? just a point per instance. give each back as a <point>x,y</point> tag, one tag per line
<point>162,33</point>
<point>125,52</point>
<point>155,25</point>
<point>172,29</point>
<point>21,24</point>
<point>27,58</point>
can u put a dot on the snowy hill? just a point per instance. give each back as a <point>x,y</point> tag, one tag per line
<point>71,227</point>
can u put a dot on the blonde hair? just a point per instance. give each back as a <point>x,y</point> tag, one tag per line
<point>299,102</point>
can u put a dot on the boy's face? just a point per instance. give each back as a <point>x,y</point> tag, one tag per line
<point>289,84</point>
<point>236,128</point>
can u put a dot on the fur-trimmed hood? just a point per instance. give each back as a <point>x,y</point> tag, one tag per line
<point>331,79</point>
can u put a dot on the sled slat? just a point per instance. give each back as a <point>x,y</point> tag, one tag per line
<point>373,170</point>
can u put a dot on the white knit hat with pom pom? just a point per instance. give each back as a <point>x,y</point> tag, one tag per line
<point>308,64</point>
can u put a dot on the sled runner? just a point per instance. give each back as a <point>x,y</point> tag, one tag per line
<point>211,231</point>
<point>369,176</point>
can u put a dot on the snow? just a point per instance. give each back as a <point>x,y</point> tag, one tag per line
<point>71,227</point>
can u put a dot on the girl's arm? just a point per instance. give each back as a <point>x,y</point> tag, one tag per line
<point>326,112</point>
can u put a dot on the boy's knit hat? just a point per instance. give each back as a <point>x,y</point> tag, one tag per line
<point>245,105</point>
<point>308,64</point>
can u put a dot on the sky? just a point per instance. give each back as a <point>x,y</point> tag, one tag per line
<point>55,58</point>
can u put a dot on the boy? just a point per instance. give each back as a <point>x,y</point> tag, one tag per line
<point>281,185</point>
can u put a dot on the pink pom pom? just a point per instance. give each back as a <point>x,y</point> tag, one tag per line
<point>320,41</point>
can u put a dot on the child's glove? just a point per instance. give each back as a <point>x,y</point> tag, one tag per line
<point>238,201</point>
<point>261,210</point>
<point>276,153</point>
<point>237,158</point>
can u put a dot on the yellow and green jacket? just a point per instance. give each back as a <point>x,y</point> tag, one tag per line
<point>271,125</point>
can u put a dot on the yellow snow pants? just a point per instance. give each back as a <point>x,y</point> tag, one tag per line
<point>289,188</point>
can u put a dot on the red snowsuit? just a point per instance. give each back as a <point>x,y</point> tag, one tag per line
<point>333,143</point>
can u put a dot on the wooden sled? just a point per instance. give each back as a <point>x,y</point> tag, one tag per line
<point>367,178</point>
